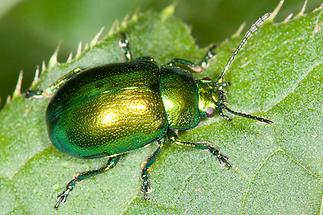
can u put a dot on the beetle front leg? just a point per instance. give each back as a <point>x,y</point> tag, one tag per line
<point>61,198</point>
<point>146,188</point>
<point>223,160</point>
<point>49,92</point>
<point>193,67</point>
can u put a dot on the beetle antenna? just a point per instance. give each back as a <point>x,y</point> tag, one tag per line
<point>248,34</point>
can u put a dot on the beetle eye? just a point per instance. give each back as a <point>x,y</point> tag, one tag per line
<point>210,112</point>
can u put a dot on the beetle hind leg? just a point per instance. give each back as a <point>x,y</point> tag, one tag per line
<point>61,198</point>
<point>146,187</point>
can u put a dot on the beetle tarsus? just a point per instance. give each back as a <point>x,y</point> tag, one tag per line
<point>32,93</point>
<point>146,196</point>
<point>124,44</point>
<point>223,160</point>
<point>61,198</point>
<point>146,188</point>
<point>210,54</point>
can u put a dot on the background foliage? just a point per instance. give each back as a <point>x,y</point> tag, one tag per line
<point>31,30</point>
<point>277,168</point>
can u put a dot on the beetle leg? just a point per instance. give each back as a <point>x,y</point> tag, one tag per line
<point>49,92</point>
<point>186,64</point>
<point>61,198</point>
<point>37,94</point>
<point>223,160</point>
<point>146,188</point>
<point>124,44</point>
<point>193,67</point>
<point>221,105</point>
<point>210,54</point>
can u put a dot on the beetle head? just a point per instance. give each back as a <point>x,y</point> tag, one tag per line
<point>208,97</point>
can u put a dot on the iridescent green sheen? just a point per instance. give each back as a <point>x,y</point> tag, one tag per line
<point>108,110</point>
<point>208,96</point>
<point>112,109</point>
<point>180,97</point>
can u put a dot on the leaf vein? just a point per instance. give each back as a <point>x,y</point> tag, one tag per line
<point>299,163</point>
<point>293,88</point>
<point>253,178</point>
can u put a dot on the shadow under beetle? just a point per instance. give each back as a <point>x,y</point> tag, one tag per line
<point>113,109</point>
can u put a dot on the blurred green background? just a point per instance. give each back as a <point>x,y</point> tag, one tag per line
<point>30,30</point>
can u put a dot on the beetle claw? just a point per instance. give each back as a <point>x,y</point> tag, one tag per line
<point>146,196</point>
<point>224,160</point>
<point>61,198</point>
<point>146,189</point>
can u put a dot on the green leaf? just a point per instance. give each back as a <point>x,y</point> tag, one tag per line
<point>276,168</point>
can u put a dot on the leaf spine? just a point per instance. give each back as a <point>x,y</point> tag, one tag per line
<point>276,11</point>
<point>17,91</point>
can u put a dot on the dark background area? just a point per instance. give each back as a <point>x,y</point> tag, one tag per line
<point>30,30</point>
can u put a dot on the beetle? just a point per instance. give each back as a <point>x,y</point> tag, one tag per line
<point>110,110</point>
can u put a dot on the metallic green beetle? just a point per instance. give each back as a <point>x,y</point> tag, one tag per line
<point>116,108</point>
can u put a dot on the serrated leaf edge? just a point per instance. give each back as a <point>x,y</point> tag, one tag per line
<point>115,28</point>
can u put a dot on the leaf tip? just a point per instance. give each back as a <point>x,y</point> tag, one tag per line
<point>69,58</point>
<point>43,66</point>
<point>86,46</point>
<point>134,17</point>
<point>53,59</point>
<point>288,18</point>
<point>17,91</point>
<point>276,11</point>
<point>9,100</point>
<point>36,76</point>
<point>239,30</point>
<point>95,39</point>
<point>168,11</point>
<point>125,21</point>
<point>302,11</point>
<point>79,50</point>
<point>114,28</point>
